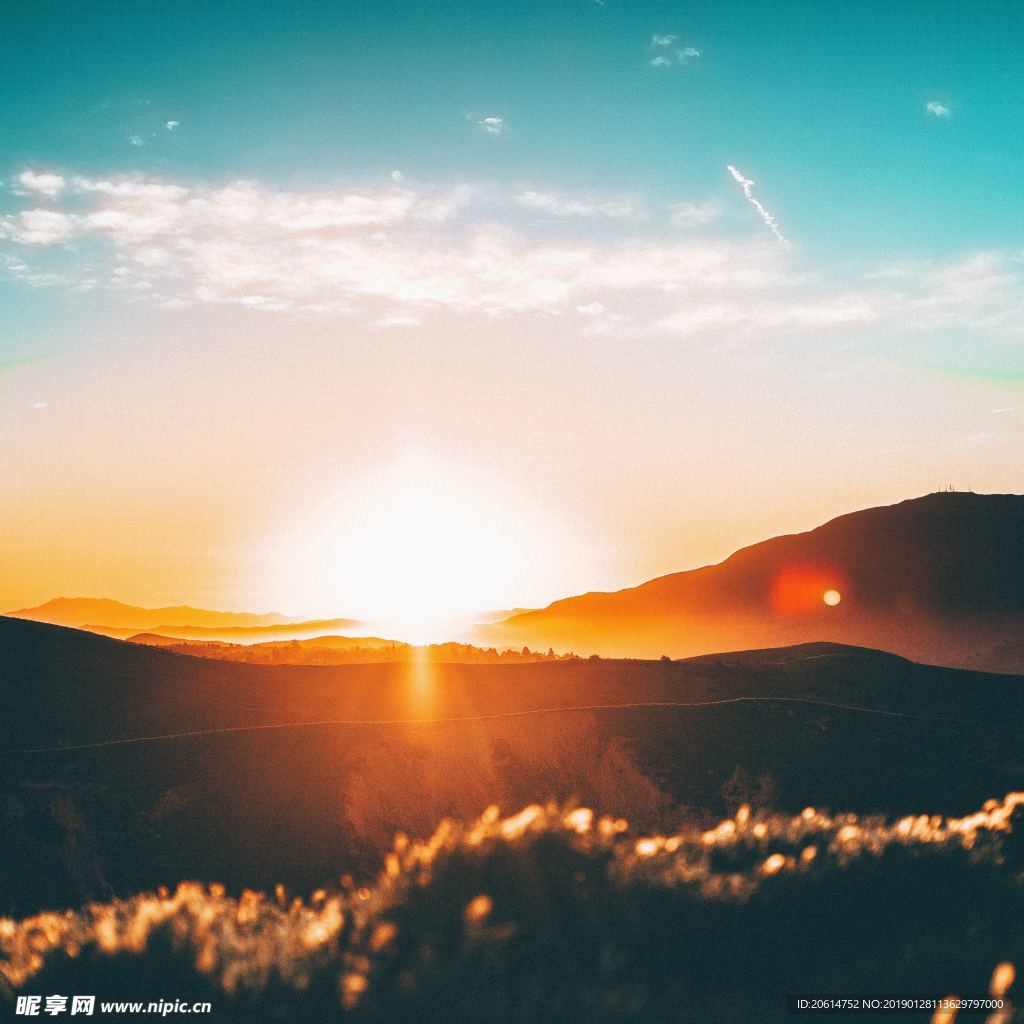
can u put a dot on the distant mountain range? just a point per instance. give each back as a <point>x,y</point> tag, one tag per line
<point>114,618</point>
<point>938,579</point>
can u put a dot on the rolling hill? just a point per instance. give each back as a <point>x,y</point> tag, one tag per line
<point>124,766</point>
<point>114,618</point>
<point>102,611</point>
<point>938,579</point>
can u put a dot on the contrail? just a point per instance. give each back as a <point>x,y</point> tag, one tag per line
<point>748,190</point>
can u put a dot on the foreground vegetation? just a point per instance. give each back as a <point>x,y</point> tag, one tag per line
<point>556,914</point>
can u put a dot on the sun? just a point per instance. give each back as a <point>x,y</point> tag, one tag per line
<point>831,598</point>
<point>419,549</point>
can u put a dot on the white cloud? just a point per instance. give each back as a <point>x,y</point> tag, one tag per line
<point>831,312</point>
<point>493,125</point>
<point>687,214</point>
<point>937,109</point>
<point>172,126</point>
<point>394,255</point>
<point>42,183</point>
<point>664,53</point>
<point>559,205</point>
<point>343,251</point>
<point>136,140</point>
<point>397,176</point>
<point>748,190</point>
<point>38,227</point>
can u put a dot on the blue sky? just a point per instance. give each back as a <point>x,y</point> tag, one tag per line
<point>825,103</point>
<point>521,217</point>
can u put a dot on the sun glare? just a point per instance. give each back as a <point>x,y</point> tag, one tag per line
<point>419,549</point>
<point>831,598</point>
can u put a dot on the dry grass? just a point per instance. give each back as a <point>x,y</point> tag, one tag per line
<point>558,913</point>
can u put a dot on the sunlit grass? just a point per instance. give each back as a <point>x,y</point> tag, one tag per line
<point>460,916</point>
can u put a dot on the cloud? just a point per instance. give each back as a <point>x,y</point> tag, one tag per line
<point>559,205</point>
<point>687,214</point>
<point>394,256</point>
<point>937,109</point>
<point>663,52</point>
<point>42,183</point>
<point>172,126</point>
<point>832,312</point>
<point>397,176</point>
<point>38,227</point>
<point>349,251</point>
<point>748,190</point>
<point>493,125</point>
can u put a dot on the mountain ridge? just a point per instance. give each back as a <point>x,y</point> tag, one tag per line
<point>934,578</point>
<point>106,611</point>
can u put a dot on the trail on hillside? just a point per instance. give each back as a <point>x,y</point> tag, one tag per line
<point>566,709</point>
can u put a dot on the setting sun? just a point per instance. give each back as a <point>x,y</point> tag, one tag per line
<point>421,549</point>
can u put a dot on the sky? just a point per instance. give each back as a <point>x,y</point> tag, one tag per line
<point>308,305</point>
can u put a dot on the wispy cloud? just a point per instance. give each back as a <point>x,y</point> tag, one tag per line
<point>350,251</point>
<point>665,51</point>
<point>395,256</point>
<point>936,109</point>
<point>493,125</point>
<point>42,183</point>
<point>748,190</point>
<point>38,227</point>
<point>687,214</point>
<point>559,205</point>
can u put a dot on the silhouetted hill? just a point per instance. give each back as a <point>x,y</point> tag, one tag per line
<point>124,766</point>
<point>197,646</point>
<point>296,630</point>
<point>101,611</point>
<point>937,579</point>
<point>112,618</point>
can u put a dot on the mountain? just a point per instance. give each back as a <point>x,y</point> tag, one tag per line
<point>101,611</point>
<point>316,643</point>
<point>113,618</point>
<point>295,630</point>
<point>124,767</point>
<point>938,579</point>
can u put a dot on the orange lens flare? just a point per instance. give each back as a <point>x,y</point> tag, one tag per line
<point>807,588</point>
